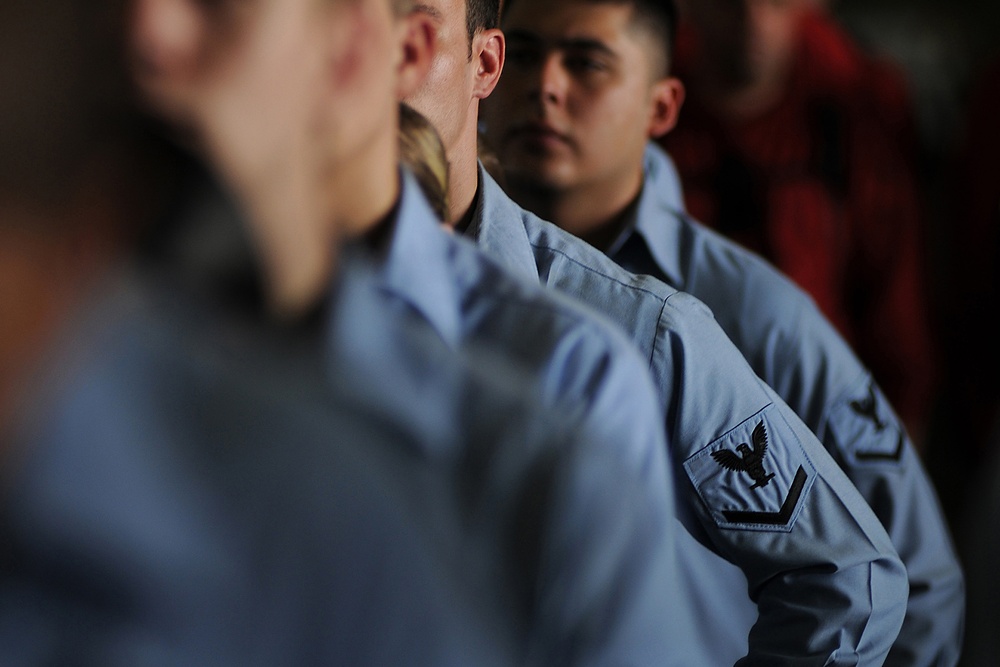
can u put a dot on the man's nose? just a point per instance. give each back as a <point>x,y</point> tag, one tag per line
<point>550,85</point>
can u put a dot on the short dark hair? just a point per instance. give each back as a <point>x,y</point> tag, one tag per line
<point>658,17</point>
<point>481,15</point>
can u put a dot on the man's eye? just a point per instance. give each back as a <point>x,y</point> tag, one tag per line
<point>584,64</point>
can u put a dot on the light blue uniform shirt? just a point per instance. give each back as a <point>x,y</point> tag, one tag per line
<point>759,490</point>
<point>200,488</point>
<point>193,493</point>
<point>796,350</point>
<point>569,535</point>
<point>668,182</point>
<point>580,365</point>
<point>582,362</point>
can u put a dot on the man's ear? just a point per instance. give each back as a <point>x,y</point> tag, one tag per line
<point>166,41</point>
<point>419,42</point>
<point>489,48</point>
<point>666,102</point>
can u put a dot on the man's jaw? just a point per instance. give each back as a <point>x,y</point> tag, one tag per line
<point>537,138</point>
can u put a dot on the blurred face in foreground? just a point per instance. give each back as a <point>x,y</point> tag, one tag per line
<point>583,90</point>
<point>294,102</point>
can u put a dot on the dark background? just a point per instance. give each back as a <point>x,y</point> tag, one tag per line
<point>944,49</point>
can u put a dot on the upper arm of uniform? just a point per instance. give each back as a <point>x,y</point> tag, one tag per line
<point>602,367</point>
<point>771,498</point>
<point>609,580</point>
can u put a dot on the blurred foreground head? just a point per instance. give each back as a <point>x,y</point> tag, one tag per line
<point>294,103</point>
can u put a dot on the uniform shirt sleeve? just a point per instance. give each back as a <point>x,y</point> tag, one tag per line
<point>818,375</point>
<point>797,351</point>
<point>596,375</point>
<point>606,566</point>
<point>880,460</point>
<point>829,586</point>
<point>607,574</point>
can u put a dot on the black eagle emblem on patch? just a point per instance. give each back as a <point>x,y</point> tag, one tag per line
<point>751,461</point>
<point>869,408</point>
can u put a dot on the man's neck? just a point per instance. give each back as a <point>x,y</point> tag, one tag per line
<point>358,196</point>
<point>463,177</point>
<point>596,213</point>
<point>366,189</point>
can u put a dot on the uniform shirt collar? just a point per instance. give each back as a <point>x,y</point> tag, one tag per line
<point>415,268</point>
<point>659,203</point>
<point>384,358</point>
<point>497,227</point>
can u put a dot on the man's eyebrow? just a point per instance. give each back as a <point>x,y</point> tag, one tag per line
<point>433,12</point>
<point>586,44</point>
<point>574,43</point>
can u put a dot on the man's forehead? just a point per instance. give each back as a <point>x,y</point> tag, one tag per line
<point>440,10</point>
<point>431,10</point>
<point>568,20</point>
<point>576,41</point>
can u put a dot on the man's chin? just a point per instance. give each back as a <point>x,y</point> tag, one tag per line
<point>538,172</point>
<point>534,180</point>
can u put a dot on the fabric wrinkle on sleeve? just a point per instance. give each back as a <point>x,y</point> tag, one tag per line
<point>881,462</point>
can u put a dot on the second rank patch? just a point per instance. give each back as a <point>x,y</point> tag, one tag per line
<point>756,477</point>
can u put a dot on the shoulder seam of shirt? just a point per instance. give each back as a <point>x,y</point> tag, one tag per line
<point>661,297</point>
<point>656,338</point>
<point>570,315</point>
<point>591,269</point>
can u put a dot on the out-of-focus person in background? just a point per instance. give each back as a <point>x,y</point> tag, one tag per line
<point>563,87</point>
<point>783,145</point>
<point>712,400</point>
<point>265,462</point>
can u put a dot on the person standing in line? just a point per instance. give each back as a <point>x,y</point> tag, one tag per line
<point>574,140</point>
<point>268,463</point>
<point>790,145</point>
<point>684,346</point>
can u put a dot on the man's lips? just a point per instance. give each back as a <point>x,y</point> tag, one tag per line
<point>538,135</point>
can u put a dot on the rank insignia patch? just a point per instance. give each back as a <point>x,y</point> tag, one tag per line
<point>755,477</point>
<point>865,428</point>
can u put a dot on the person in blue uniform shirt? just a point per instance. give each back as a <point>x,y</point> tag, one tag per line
<point>691,360</point>
<point>578,363</point>
<point>288,469</point>
<point>586,86</point>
